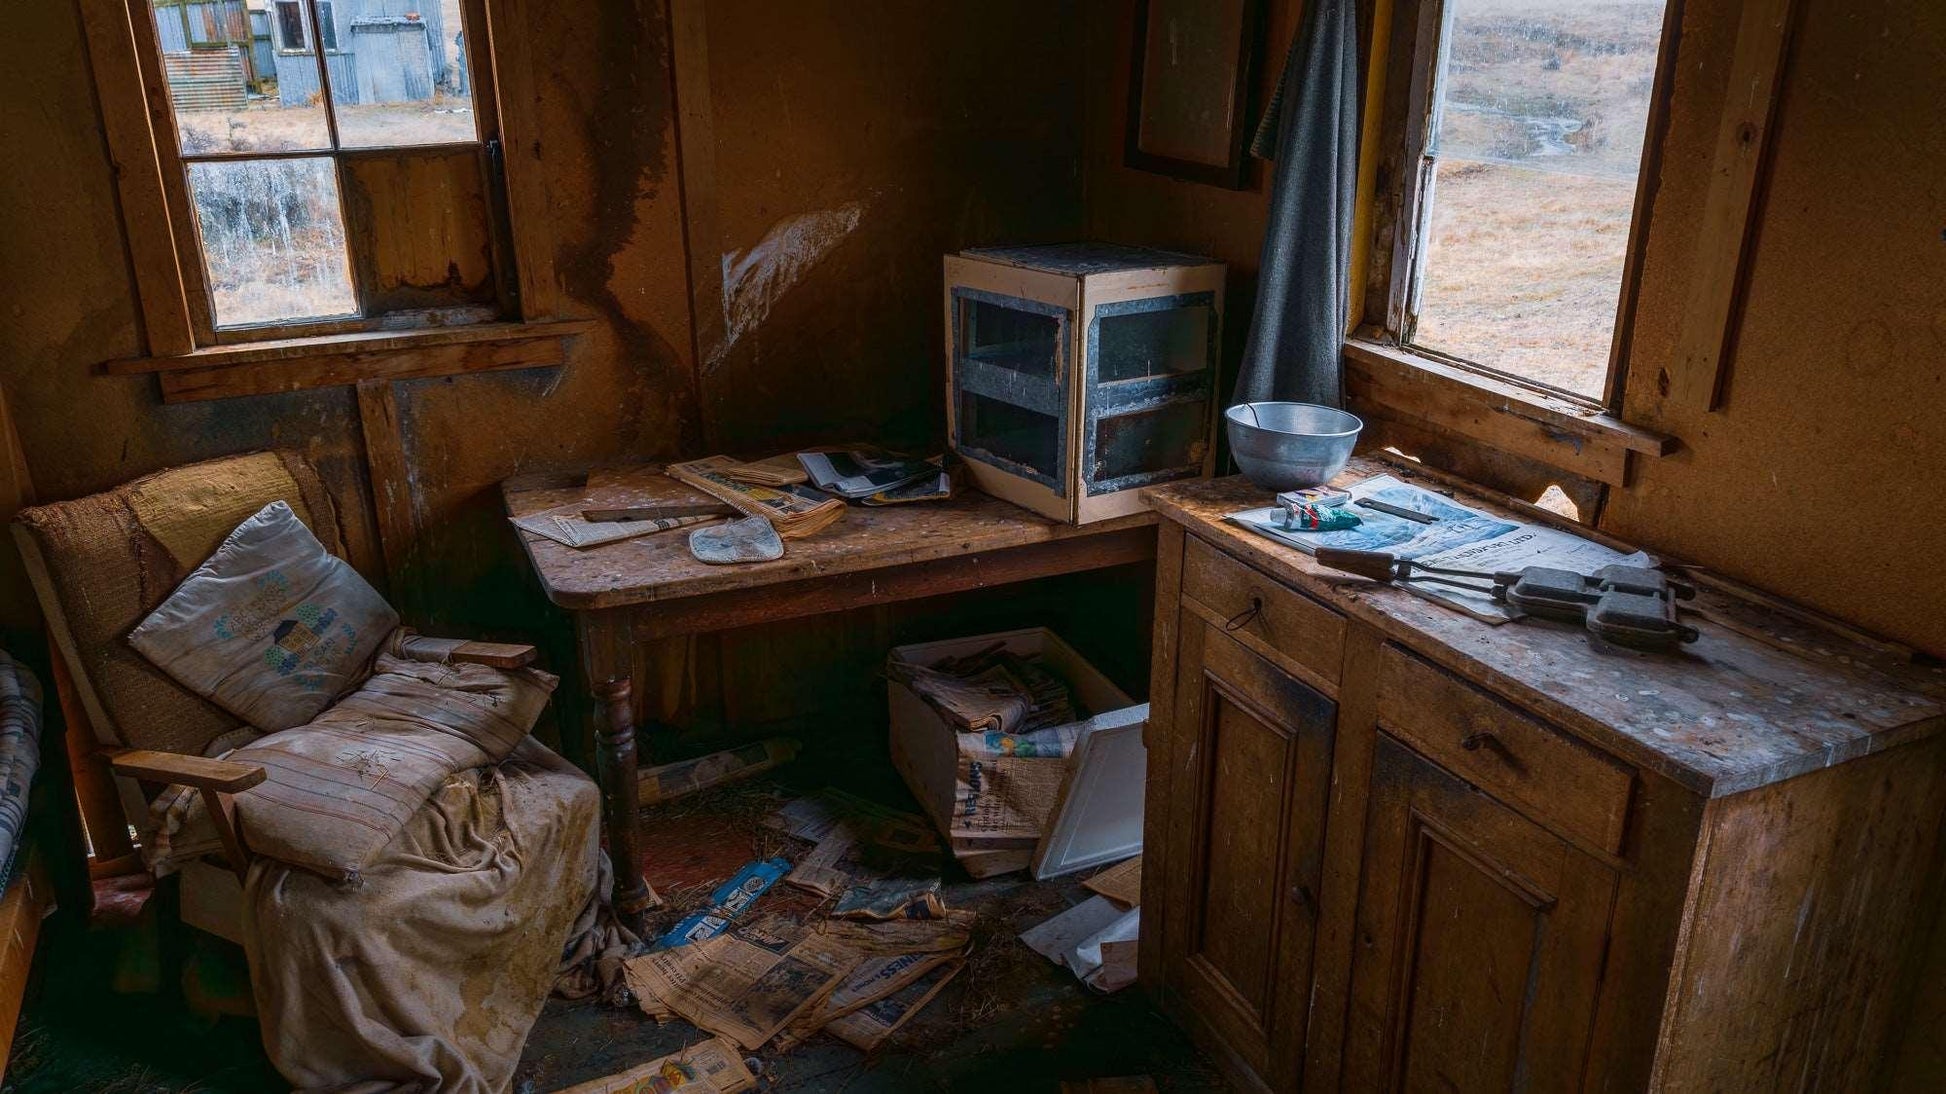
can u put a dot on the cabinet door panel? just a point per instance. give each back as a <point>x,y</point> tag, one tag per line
<point>1253,752</point>
<point>1481,938</point>
<point>1248,758</point>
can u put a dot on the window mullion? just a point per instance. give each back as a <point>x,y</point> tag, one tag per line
<point>324,71</point>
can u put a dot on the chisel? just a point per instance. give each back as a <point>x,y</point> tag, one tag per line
<point>1397,510</point>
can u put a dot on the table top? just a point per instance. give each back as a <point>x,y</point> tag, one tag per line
<point>658,567</point>
<point>1760,697</point>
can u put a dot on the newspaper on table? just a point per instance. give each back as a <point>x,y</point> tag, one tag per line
<point>1462,538</point>
<point>745,985</point>
<point>859,473</point>
<point>794,510</point>
<point>935,485</point>
<point>566,525</point>
<point>712,1067</point>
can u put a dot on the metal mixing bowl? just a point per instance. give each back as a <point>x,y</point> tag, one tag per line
<point>1282,446</point>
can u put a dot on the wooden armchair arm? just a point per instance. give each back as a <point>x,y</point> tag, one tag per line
<point>499,655</point>
<point>220,776</point>
<point>217,780</point>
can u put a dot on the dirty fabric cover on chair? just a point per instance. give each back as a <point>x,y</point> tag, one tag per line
<point>428,974</point>
<point>340,788</point>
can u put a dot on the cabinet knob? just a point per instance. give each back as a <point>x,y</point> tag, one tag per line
<point>1243,618</point>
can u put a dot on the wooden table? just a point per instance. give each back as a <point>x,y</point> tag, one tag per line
<point>624,595</point>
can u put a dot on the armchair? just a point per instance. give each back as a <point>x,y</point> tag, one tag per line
<point>475,930</point>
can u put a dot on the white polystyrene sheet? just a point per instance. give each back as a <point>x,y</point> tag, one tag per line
<point>1059,936</point>
<point>1099,819</point>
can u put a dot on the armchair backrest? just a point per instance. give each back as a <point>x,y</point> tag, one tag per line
<point>100,564</point>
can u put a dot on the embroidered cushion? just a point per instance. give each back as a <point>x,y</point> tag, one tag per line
<point>272,627</point>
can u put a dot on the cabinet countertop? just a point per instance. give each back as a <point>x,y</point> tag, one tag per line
<point>1757,699</point>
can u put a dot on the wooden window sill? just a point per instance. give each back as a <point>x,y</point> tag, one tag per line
<point>1386,382</point>
<point>294,364</point>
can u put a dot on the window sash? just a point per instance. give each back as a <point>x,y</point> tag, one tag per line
<point>190,262</point>
<point>1429,47</point>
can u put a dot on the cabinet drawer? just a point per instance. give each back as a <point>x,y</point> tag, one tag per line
<point>1546,774</point>
<point>1270,618</point>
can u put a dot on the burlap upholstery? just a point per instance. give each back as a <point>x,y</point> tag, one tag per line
<point>103,562</point>
<point>341,788</point>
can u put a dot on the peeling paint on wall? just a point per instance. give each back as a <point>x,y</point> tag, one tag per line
<point>755,279</point>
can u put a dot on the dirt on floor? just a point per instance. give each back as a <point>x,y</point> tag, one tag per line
<point>113,1021</point>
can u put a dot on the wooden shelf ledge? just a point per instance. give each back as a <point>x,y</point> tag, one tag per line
<point>294,364</point>
<point>1557,431</point>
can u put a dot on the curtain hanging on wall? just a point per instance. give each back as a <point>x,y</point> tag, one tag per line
<point>1310,129</point>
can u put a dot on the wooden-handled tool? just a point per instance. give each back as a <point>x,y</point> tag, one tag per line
<point>660,512</point>
<point>1630,606</point>
<point>1376,565</point>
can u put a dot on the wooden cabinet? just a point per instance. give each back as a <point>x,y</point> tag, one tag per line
<point>1480,940</point>
<point>1391,848</point>
<point>1254,752</point>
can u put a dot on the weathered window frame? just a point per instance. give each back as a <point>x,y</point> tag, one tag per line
<point>1384,373</point>
<point>166,256</point>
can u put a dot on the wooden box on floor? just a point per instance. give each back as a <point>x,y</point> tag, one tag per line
<point>926,750</point>
<point>1080,372</point>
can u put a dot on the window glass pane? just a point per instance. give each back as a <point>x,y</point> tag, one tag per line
<point>1167,438</point>
<point>1543,106</point>
<point>1014,434</point>
<point>228,67</point>
<point>1010,338</point>
<point>398,72</point>
<point>1138,345</point>
<point>273,238</point>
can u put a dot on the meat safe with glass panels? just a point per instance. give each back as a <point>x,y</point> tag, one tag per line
<point>1079,372</point>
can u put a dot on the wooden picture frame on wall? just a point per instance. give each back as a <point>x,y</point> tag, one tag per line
<point>1192,65</point>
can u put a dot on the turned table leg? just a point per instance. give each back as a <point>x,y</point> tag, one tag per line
<point>620,800</point>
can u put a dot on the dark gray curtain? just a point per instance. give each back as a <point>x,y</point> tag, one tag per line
<point>1311,130</point>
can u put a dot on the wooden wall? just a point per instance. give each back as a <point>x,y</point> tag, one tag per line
<point>1833,411</point>
<point>1838,381</point>
<point>853,144</point>
<point>1141,207</point>
<point>617,218</point>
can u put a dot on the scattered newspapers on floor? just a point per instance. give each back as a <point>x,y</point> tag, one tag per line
<point>714,1066</point>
